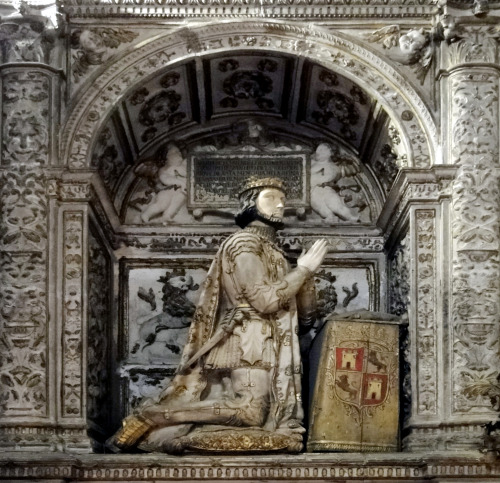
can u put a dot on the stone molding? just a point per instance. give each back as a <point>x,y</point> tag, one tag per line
<point>303,467</point>
<point>95,98</point>
<point>297,9</point>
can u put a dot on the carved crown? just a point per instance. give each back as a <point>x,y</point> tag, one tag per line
<point>256,182</point>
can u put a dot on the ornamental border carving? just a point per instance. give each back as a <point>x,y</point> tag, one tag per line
<point>96,99</point>
<point>426,343</point>
<point>73,316</point>
<point>302,467</point>
<point>194,242</point>
<point>247,8</point>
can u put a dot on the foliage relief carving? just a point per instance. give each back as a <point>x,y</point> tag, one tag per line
<point>23,243</point>
<point>72,314</point>
<point>476,228</point>
<point>426,319</point>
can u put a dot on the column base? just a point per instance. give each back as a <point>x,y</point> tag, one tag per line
<point>449,437</point>
<point>45,439</point>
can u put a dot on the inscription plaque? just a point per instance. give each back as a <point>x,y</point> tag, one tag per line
<point>214,179</point>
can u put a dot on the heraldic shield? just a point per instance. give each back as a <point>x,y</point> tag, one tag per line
<point>355,406</point>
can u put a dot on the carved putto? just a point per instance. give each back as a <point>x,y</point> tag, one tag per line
<point>93,46</point>
<point>412,48</point>
<point>167,192</point>
<point>328,197</point>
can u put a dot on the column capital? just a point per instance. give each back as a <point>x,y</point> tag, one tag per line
<point>472,45</point>
<point>31,34</point>
<point>416,186</point>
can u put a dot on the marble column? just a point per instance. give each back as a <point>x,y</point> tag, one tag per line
<point>474,330</point>
<point>28,153</point>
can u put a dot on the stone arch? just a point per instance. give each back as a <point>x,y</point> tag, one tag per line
<point>335,52</point>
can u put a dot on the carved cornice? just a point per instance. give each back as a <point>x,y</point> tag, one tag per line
<point>299,9</point>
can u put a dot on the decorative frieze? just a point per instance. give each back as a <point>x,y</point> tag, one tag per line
<point>249,8</point>
<point>172,242</point>
<point>308,467</point>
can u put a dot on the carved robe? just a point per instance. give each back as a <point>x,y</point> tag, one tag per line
<point>250,271</point>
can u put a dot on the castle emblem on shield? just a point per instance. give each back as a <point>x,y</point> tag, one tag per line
<point>360,376</point>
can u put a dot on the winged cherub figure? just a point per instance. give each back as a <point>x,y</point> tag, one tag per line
<point>413,48</point>
<point>168,183</point>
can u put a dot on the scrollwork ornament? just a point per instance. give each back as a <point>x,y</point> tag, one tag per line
<point>426,318</point>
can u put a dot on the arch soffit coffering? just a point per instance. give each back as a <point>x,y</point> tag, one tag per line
<point>337,53</point>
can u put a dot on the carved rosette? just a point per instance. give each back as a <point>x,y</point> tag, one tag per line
<point>72,404</point>
<point>476,236</point>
